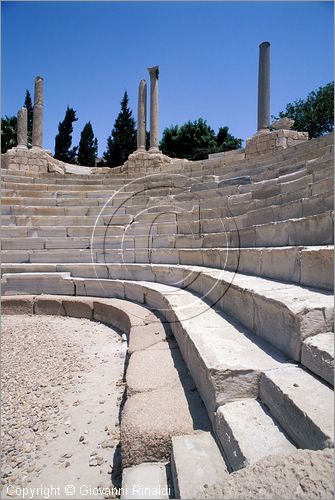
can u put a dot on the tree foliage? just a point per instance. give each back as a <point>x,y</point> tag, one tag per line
<point>63,139</point>
<point>225,141</point>
<point>122,141</point>
<point>8,133</point>
<point>88,146</point>
<point>30,111</point>
<point>195,140</point>
<point>315,114</point>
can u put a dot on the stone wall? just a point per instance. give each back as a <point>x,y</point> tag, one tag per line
<point>269,142</point>
<point>146,163</point>
<point>40,162</point>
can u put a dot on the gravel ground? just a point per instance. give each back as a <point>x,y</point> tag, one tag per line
<point>304,474</point>
<point>61,393</point>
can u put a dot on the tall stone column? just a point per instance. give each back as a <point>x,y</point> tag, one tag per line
<point>37,139</point>
<point>141,115</point>
<point>263,123</point>
<point>154,72</point>
<point>22,129</point>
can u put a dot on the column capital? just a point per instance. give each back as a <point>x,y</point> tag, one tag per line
<point>154,72</point>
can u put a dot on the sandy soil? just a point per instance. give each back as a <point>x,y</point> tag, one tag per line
<point>303,474</point>
<point>61,393</point>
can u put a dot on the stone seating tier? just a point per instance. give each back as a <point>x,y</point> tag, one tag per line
<point>228,362</point>
<point>253,324</point>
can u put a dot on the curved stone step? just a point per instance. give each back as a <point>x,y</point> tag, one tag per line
<point>226,362</point>
<point>248,433</point>
<point>306,266</point>
<point>296,400</point>
<point>282,313</point>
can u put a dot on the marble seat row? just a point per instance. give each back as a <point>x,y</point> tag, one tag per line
<point>236,371</point>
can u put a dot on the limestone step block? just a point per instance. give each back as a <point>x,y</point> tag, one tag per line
<point>6,210</point>
<point>153,369</point>
<point>198,468</point>
<point>60,255</point>
<point>24,193</point>
<point>301,404</point>
<point>14,232</point>
<point>284,264</point>
<point>318,225</point>
<point>295,185</point>
<point>25,202</point>
<point>29,268</point>
<point>117,255</point>
<point>45,231</point>
<point>243,180</point>
<point>312,230</point>
<point>72,211</point>
<point>147,480</point>
<point>53,187</point>
<point>65,220</point>
<point>224,359</point>
<point>23,186</point>
<point>317,266</point>
<point>317,355</point>
<point>22,243</point>
<point>283,314</point>
<point>66,243</point>
<point>74,255</point>
<point>150,419</point>
<point>281,263</point>
<point>323,185</point>
<point>37,193</point>
<point>96,231</point>
<point>79,202</point>
<point>22,304</point>
<point>16,178</point>
<point>248,433</point>
<point>14,256</point>
<point>37,283</point>
<point>318,203</point>
<point>268,306</point>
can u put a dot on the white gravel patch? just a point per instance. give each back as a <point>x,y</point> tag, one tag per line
<point>61,392</point>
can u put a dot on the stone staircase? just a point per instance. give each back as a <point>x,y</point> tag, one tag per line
<point>235,256</point>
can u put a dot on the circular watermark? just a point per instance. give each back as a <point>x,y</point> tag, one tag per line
<point>154,218</point>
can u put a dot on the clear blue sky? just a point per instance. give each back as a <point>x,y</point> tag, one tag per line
<point>90,52</point>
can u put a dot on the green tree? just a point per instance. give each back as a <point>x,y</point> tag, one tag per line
<point>315,114</point>
<point>8,133</point>
<point>88,146</point>
<point>30,111</point>
<point>225,141</point>
<point>122,141</point>
<point>195,140</point>
<point>192,140</point>
<point>63,139</point>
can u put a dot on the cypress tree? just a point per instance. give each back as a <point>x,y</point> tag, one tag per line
<point>63,139</point>
<point>88,146</point>
<point>30,111</point>
<point>8,133</point>
<point>122,141</point>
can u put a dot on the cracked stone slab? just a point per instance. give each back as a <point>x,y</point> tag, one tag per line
<point>318,355</point>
